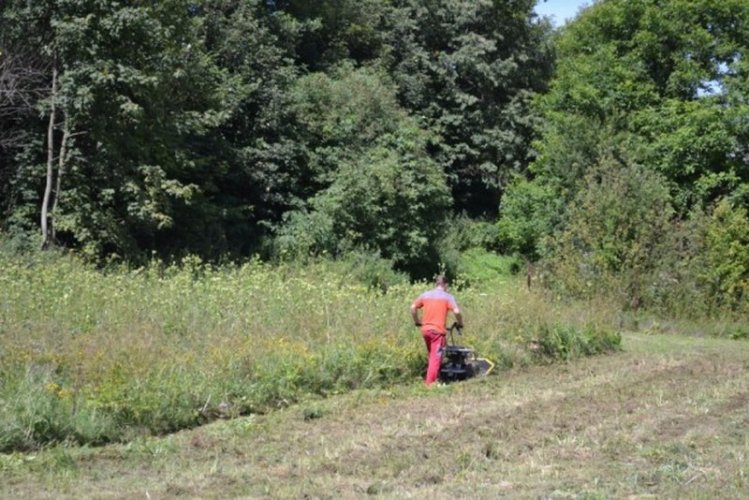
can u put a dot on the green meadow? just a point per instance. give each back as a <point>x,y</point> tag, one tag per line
<point>91,356</point>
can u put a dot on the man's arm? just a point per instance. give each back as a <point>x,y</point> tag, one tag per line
<point>458,316</point>
<point>415,314</point>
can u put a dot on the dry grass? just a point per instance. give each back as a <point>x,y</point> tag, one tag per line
<point>666,418</point>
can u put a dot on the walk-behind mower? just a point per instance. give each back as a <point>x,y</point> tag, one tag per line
<point>461,362</point>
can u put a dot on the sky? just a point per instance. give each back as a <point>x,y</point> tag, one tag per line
<point>560,10</point>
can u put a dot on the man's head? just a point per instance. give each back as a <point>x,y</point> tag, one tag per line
<point>441,281</point>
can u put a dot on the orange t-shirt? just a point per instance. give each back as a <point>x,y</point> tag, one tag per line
<point>436,304</point>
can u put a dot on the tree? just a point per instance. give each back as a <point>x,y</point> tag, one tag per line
<point>132,89</point>
<point>252,165</point>
<point>377,188</point>
<point>23,76</point>
<point>663,81</point>
<point>332,31</point>
<point>174,127</point>
<point>468,69</point>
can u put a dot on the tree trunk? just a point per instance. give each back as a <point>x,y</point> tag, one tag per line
<point>46,239</point>
<point>60,171</point>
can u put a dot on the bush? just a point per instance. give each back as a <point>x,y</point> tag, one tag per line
<point>726,261</point>
<point>558,341</point>
<point>613,240</point>
<point>465,247</point>
<point>478,266</point>
<point>463,233</point>
<point>371,270</point>
<point>526,216</point>
<point>703,270</point>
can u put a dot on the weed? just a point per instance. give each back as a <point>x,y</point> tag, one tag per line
<point>96,356</point>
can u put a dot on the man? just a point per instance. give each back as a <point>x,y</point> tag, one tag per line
<point>436,304</point>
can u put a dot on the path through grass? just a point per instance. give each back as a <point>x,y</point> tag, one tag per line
<point>668,417</point>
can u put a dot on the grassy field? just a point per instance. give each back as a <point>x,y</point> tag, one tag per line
<point>91,357</point>
<point>666,417</point>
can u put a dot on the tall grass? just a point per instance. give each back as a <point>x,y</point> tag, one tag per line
<point>90,356</point>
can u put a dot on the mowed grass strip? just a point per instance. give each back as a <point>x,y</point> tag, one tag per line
<point>666,417</point>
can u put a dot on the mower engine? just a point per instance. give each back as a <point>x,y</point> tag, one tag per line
<point>460,362</point>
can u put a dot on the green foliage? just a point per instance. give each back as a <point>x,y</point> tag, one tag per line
<point>464,233</point>
<point>726,261</point>
<point>621,240</point>
<point>695,268</point>
<point>527,212</point>
<point>37,410</point>
<point>370,270</point>
<point>612,240</point>
<point>659,80</point>
<point>379,190</point>
<point>740,333</point>
<point>679,45</point>
<point>691,143</point>
<point>302,129</point>
<point>167,114</point>
<point>565,342</point>
<point>468,70</point>
<point>342,114</point>
<point>304,234</point>
<point>132,94</point>
<point>464,241</point>
<point>211,129</point>
<point>112,355</point>
<point>285,375</point>
<point>479,266</point>
<point>336,30</point>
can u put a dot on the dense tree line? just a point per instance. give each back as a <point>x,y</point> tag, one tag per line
<point>614,149</point>
<point>229,128</point>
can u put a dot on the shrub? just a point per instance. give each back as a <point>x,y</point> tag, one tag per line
<point>613,239</point>
<point>375,185</point>
<point>559,341</point>
<point>463,233</point>
<point>726,261</point>
<point>526,216</point>
<point>478,266</point>
<point>371,270</point>
<point>467,250</point>
<point>703,270</point>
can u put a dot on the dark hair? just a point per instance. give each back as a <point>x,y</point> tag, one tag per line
<point>441,280</point>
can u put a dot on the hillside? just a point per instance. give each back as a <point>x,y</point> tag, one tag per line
<point>665,417</point>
